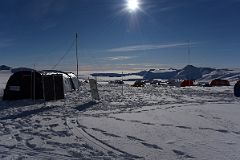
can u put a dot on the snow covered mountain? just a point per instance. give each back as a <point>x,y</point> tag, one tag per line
<point>4,67</point>
<point>188,72</point>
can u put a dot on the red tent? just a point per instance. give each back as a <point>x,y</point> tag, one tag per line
<point>220,82</point>
<point>186,83</point>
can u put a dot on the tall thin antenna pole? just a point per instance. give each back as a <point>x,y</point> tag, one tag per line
<point>122,83</point>
<point>188,60</point>
<point>188,52</point>
<point>77,52</point>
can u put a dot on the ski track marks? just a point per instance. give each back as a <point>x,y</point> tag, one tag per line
<point>97,143</point>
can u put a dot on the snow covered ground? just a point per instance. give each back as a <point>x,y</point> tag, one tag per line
<point>4,76</point>
<point>153,122</point>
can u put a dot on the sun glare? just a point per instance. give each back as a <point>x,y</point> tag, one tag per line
<point>133,5</point>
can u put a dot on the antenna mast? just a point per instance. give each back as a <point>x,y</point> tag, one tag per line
<point>77,52</point>
<point>189,52</point>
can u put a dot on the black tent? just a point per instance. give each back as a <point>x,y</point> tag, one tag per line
<point>31,84</point>
<point>237,89</point>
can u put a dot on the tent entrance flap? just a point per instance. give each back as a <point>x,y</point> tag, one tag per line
<point>27,90</point>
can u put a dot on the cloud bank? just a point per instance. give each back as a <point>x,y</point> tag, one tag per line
<point>147,47</point>
<point>118,58</point>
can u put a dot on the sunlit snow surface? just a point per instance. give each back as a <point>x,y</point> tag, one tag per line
<point>4,76</point>
<point>153,122</point>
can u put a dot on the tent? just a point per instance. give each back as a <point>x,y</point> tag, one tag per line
<point>70,80</point>
<point>186,83</point>
<point>138,83</point>
<point>32,84</point>
<point>219,82</point>
<point>237,89</point>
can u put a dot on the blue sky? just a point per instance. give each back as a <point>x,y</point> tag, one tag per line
<point>34,32</point>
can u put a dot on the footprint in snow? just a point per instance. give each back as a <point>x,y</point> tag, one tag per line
<point>222,130</point>
<point>147,123</point>
<point>105,132</point>
<point>217,130</point>
<point>238,132</point>
<point>135,121</point>
<point>99,130</point>
<point>119,119</point>
<point>181,153</point>
<point>184,127</point>
<point>166,125</point>
<point>134,138</point>
<point>151,146</point>
<point>204,128</point>
<point>111,135</point>
<point>170,142</point>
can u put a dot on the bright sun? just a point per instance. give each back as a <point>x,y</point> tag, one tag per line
<point>133,5</point>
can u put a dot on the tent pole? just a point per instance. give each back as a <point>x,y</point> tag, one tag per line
<point>54,88</point>
<point>43,88</point>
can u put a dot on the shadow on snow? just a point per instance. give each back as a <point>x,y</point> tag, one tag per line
<point>85,106</point>
<point>28,113</point>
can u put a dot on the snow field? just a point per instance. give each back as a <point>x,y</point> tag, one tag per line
<point>153,122</point>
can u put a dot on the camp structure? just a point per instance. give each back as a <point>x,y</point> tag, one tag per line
<point>219,82</point>
<point>237,89</point>
<point>186,83</point>
<point>173,82</point>
<point>70,80</point>
<point>203,84</point>
<point>32,84</point>
<point>138,83</point>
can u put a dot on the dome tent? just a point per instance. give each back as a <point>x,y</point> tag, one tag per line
<point>219,82</point>
<point>70,79</point>
<point>32,84</point>
<point>186,83</point>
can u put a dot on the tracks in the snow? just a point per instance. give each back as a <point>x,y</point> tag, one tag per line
<point>95,142</point>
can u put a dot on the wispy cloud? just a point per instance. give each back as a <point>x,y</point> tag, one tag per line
<point>146,47</point>
<point>6,42</point>
<point>118,58</point>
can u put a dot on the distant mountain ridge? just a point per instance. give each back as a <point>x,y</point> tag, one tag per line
<point>189,72</point>
<point>4,67</point>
